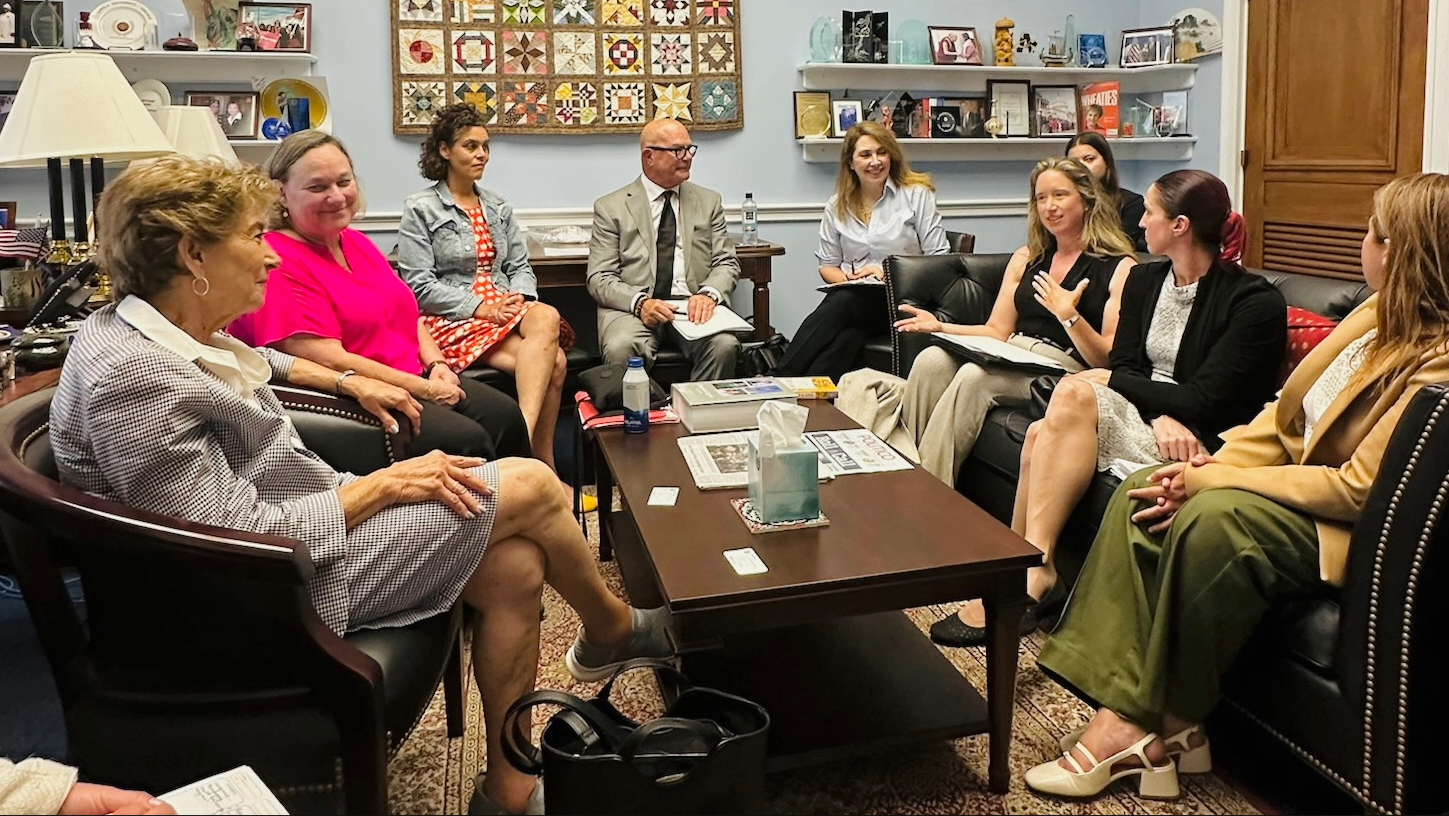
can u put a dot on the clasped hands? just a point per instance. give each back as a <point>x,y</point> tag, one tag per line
<point>1166,493</point>
<point>655,312</point>
<point>503,311</point>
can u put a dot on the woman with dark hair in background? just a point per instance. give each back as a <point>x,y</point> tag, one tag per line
<point>1091,149</point>
<point>881,207</point>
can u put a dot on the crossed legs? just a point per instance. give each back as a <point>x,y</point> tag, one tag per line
<point>531,354</point>
<point>535,542</point>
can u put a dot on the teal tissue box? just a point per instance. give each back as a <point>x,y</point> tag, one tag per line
<point>786,486</point>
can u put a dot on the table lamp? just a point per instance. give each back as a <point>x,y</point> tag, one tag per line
<point>76,105</point>
<point>194,131</point>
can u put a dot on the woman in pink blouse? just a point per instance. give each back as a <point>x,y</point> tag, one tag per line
<point>336,301</point>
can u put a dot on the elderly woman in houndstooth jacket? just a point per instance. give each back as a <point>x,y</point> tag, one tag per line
<point>159,409</point>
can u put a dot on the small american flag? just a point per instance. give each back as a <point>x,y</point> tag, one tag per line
<point>27,244</point>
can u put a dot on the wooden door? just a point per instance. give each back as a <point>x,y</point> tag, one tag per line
<point>1335,108</point>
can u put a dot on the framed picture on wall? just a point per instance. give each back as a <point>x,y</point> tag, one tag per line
<point>276,26</point>
<point>1009,101</point>
<point>1054,110</point>
<point>812,114</point>
<point>1148,46</point>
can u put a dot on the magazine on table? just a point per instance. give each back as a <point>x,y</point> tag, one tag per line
<point>856,451</point>
<point>724,319</point>
<point>722,460</point>
<point>990,351</point>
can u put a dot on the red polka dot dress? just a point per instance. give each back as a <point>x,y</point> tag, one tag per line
<point>463,342</point>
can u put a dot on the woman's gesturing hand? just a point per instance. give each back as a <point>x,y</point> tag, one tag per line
<point>920,320</point>
<point>1062,303</point>
<point>440,476</point>
<point>379,399</point>
<point>1174,441</point>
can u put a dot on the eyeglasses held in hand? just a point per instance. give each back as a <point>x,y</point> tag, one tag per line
<point>679,152</point>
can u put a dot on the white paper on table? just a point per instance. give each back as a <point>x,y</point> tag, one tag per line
<point>239,790</point>
<point>723,320</point>
<point>565,251</point>
<point>867,281</point>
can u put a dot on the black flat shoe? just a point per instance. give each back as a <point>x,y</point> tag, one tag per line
<point>952,631</point>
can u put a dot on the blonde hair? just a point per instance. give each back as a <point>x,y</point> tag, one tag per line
<point>849,196</point>
<point>1101,226</point>
<point>291,151</point>
<point>149,208</point>
<point>1411,213</point>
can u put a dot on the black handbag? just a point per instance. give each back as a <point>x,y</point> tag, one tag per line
<point>705,755</point>
<point>605,387</point>
<point>761,358</point>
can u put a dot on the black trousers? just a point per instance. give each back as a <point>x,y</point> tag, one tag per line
<point>486,423</point>
<point>831,339</point>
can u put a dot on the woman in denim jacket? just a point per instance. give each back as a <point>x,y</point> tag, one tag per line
<point>461,252</point>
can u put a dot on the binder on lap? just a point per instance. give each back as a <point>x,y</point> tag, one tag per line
<point>988,351</point>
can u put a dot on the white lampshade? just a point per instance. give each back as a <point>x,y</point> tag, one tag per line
<point>194,131</point>
<point>78,105</point>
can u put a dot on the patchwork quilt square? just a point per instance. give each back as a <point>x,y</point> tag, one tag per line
<point>421,101</point>
<point>622,12</point>
<point>719,100</point>
<point>524,52</point>
<point>421,51</point>
<point>522,12</point>
<point>573,53</point>
<point>669,12</point>
<point>716,52</point>
<point>420,11</point>
<point>623,53</point>
<point>575,103</point>
<point>481,95</point>
<point>474,52</point>
<point>671,101</point>
<point>523,103</point>
<point>624,103</point>
<point>574,12</point>
<point>671,54</point>
<point>475,11</point>
<point>716,12</point>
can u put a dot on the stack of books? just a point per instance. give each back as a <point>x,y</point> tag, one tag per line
<point>726,405</point>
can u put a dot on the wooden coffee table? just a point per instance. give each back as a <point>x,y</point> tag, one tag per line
<point>819,639</point>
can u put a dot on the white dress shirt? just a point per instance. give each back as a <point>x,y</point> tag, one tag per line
<point>903,222</point>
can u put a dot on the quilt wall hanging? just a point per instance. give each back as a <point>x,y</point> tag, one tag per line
<point>568,66</point>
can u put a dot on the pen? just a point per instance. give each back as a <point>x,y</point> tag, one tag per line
<point>681,312</point>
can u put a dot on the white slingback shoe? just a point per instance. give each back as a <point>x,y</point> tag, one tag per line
<point>1191,759</point>
<point>1154,781</point>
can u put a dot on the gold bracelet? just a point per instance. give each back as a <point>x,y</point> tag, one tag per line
<point>337,385</point>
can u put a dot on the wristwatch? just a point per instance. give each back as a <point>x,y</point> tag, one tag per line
<point>1071,321</point>
<point>428,369</point>
<point>712,296</point>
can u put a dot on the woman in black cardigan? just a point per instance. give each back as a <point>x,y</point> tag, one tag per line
<point>1198,348</point>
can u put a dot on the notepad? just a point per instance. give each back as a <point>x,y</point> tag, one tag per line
<point>866,282</point>
<point>724,319</point>
<point>990,351</point>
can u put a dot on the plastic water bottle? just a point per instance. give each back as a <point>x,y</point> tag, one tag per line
<point>749,221</point>
<point>636,397</point>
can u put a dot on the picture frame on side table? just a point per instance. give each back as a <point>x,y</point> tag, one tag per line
<point>844,115</point>
<point>954,46</point>
<point>276,26</point>
<point>812,114</point>
<point>1009,100</point>
<point>1054,110</point>
<point>236,112</point>
<point>1148,46</point>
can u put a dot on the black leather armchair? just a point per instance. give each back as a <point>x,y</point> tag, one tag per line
<point>199,649</point>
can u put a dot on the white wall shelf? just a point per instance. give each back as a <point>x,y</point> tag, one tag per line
<point>237,67</point>
<point>827,151</point>
<point>922,80</point>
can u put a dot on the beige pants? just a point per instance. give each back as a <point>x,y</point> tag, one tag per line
<point>946,401</point>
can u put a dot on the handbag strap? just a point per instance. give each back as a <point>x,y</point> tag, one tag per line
<point>587,723</point>
<point>644,663</point>
<point>707,733</point>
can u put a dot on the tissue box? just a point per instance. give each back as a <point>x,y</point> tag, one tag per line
<point>786,486</point>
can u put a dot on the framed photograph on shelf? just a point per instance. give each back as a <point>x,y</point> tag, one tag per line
<point>844,115</point>
<point>235,112</point>
<point>954,46</point>
<point>276,26</point>
<point>7,101</point>
<point>812,114</point>
<point>1009,101</point>
<point>1148,46</point>
<point>1054,110</point>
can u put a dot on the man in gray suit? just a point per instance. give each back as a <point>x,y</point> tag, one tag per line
<point>656,239</point>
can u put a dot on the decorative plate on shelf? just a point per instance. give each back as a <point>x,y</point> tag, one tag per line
<point>154,94</point>
<point>275,95</point>
<point>122,24</point>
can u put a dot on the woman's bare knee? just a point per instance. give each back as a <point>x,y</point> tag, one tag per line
<point>1074,401</point>
<point>511,572</point>
<point>542,320</point>
<point>528,494</point>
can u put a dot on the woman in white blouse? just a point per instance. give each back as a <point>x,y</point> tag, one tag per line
<point>880,208</point>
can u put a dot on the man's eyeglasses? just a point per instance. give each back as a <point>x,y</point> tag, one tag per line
<point>679,152</point>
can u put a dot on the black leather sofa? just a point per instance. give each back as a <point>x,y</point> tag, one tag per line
<point>1343,681</point>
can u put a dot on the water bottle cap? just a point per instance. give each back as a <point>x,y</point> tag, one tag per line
<point>749,195</point>
<point>636,362</point>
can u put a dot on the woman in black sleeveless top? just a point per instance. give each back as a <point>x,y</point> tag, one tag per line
<point>1058,298</point>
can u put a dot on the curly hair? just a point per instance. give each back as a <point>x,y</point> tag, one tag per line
<point>1101,228</point>
<point>449,124</point>
<point>149,208</point>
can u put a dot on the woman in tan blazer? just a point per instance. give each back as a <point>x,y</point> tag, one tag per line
<point>1191,555</point>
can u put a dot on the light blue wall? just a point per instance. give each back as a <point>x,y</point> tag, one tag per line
<point>556,172</point>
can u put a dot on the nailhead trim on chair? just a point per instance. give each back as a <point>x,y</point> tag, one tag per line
<point>1384,533</point>
<point>34,435</point>
<point>288,790</point>
<point>366,419</point>
<point>1363,797</point>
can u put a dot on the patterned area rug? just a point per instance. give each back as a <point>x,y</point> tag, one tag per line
<point>433,774</point>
